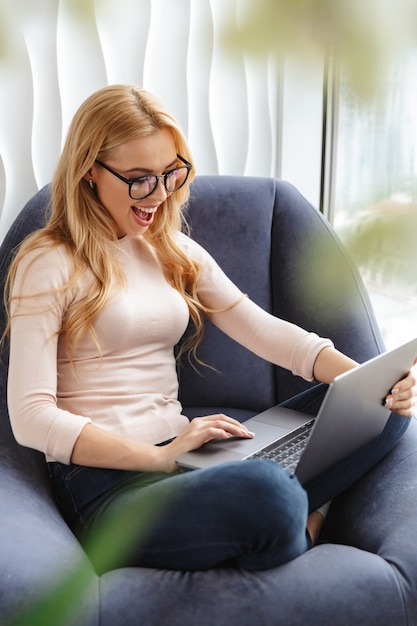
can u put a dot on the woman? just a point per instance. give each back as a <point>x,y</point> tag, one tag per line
<point>97,301</point>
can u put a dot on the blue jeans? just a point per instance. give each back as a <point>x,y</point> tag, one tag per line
<point>339,477</point>
<point>250,515</point>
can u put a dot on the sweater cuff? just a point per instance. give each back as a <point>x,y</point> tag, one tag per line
<point>305,355</point>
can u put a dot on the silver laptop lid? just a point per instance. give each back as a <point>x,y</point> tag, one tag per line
<point>353,411</point>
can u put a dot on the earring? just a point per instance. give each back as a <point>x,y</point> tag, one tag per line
<point>90,182</point>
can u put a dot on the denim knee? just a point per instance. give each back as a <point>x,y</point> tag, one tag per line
<point>276,491</point>
<point>275,515</point>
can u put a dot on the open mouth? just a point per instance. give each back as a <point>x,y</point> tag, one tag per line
<point>143,214</point>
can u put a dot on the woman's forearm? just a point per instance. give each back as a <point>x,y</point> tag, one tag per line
<point>96,447</point>
<point>330,363</point>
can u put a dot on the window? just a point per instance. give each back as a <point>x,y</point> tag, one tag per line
<point>374,193</point>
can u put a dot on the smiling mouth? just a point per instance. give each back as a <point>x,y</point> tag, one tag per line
<point>144,214</point>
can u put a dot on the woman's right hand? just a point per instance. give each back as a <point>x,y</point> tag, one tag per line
<point>198,432</point>
<point>97,447</point>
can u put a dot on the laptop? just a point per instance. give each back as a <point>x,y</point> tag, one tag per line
<point>351,415</point>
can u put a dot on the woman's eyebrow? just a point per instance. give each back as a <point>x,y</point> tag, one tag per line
<point>145,170</point>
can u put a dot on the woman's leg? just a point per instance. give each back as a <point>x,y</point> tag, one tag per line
<point>334,481</point>
<point>251,515</point>
<point>307,401</point>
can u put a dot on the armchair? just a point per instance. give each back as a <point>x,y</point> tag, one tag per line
<point>286,257</point>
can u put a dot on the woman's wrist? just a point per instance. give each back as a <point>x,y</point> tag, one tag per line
<point>165,459</point>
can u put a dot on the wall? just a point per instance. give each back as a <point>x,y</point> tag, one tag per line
<point>241,115</point>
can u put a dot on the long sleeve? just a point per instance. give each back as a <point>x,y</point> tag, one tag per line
<point>270,337</point>
<point>127,386</point>
<point>130,387</point>
<point>32,384</point>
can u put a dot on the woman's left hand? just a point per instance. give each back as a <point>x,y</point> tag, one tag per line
<point>402,398</point>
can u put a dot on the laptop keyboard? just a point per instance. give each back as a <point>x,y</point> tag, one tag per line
<point>287,451</point>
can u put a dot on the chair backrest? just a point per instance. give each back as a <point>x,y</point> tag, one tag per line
<point>12,455</point>
<point>283,254</point>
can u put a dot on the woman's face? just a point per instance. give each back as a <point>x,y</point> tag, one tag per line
<point>154,154</point>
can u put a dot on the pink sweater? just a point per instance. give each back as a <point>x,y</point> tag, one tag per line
<point>132,389</point>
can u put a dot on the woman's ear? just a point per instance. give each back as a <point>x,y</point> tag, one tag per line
<point>89,177</point>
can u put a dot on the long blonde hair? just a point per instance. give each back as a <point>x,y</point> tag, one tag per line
<point>108,118</point>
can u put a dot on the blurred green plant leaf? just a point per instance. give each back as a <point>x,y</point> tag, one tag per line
<point>111,543</point>
<point>364,34</point>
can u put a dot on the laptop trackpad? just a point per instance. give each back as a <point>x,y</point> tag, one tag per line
<point>264,435</point>
<point>235,449</point>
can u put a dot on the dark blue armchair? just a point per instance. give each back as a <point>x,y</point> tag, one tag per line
<point>286,257</point>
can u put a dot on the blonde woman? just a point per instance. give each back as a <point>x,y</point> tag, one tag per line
<point>98,299</point>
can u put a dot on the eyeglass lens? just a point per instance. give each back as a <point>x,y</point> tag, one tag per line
<point>173,180</point>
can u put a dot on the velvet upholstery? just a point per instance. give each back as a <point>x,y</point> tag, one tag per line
<point>282,253</point>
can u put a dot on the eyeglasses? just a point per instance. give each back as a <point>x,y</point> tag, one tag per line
<point>143,186</point>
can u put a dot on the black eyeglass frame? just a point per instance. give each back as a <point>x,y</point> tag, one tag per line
<point>131,181</point>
